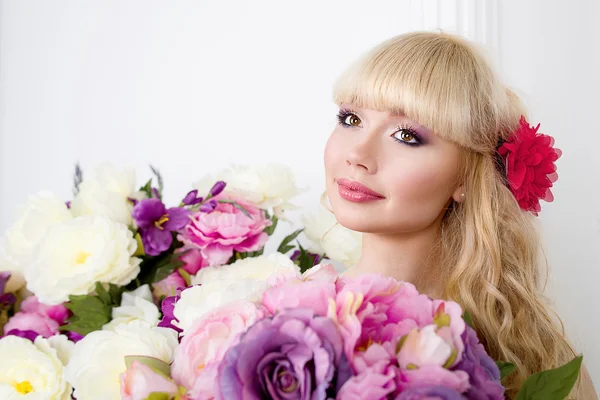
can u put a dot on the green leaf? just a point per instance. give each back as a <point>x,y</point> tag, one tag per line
<point>77,179</point>
<point>156,364</point>
<point>284,247</point>
<point>158,396</point>
<point>147,188</point>
<point>505,368</point>
<point>305,261</point>
<point>185,275</point>
<point>159,179</point>
<point>270,229</point>
<point>554,384</point>
<point>468,319</point>
<point>238,206</point>
<point>154,269</point>
<point>90,313</point>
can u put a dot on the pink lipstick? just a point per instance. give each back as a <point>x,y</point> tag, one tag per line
<point>356,192</point>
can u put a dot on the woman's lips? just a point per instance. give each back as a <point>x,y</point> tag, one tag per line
<point>356,192</point>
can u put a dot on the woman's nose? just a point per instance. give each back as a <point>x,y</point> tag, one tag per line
<point>363,155</point>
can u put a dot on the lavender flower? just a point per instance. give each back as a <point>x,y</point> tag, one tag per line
<point>156,224</point>
<point>483,371</point>
<point>435,392</point>
<point>294,355</point>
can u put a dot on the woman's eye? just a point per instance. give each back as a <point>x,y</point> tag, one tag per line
<point>406,136</point>
<point>352,120</point>
<point>348,119</point>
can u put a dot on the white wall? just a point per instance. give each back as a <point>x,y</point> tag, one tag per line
<point>191,86</point>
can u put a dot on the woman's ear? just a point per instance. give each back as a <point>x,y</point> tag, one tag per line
<point>459,194</point>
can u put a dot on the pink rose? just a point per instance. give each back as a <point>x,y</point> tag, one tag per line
<point>168,286</point>
<point>225,229</point>
<point>206,342</point>
<point>40,318</point>
<point>139,381</point>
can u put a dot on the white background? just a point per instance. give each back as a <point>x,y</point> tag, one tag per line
<point>191,86</point>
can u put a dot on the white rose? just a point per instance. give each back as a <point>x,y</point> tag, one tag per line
<point>34,369</point>
<point>78,253</point>
<point>99,358</point>
<point>106,194</point>
<point>327,236</point>
<point>136,305</point>
<point>34,218</point>
<point>266,186</point>
<point>197,301</point>
<point>259,268</point>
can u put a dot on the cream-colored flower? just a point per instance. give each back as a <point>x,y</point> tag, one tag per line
<point>136,305</point>
<point>197,301</point>
<point>34,370</point>
<point>106,193</point>
<point>33,220</point>
<point>258,268</point>
<point>267,186</point>
<point>99,358</point>
<point>329,237</point>
<point>76,254</point>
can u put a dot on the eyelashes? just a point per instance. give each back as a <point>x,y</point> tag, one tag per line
<point>404,130</point>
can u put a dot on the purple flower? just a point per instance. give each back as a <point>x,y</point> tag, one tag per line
<point>167,306</point>
<point>208,206</point>
<point>192,198</point>
<point>431,393</point>
<point>316,258</point>
<point>294,355</point>
<point>27,334</point>
<point>6,299</point>
<point>156,224</point>
<point>217,188</point>
<point>484,375</point>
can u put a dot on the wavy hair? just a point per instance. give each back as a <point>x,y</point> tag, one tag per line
<point>489,247</point>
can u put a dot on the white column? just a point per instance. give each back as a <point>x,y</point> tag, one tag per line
<point>476,20</point>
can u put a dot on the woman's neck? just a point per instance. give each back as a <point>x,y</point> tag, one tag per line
<point>406,257</point>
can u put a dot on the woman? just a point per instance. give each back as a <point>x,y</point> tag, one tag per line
<point>416,164</point>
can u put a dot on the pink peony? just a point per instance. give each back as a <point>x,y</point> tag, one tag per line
<point>313,294</point>
<point>168,286</point>
<point>40,318</point>
<point>139,381</point>
<point>208,339</point>
<point>432,375</point>
<point>426,347</point>
<point>375,382</point>
<point>373,308</point>
<point>193,261</point>
<point>225,229</point>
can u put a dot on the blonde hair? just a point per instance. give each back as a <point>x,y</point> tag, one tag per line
<point>489,245</point>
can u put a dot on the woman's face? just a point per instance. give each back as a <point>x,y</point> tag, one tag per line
<point>387,174</point>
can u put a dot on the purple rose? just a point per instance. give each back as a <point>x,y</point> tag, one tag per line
<point>484,375</point>
<point>294,355</point>
<point>431,393</point>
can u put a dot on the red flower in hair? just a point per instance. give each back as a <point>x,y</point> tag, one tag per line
<point>530,169</point>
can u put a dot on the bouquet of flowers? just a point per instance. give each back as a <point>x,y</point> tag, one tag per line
<point>114,295</point>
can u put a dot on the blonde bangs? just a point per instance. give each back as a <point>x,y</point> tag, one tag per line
<point>435,79</point>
